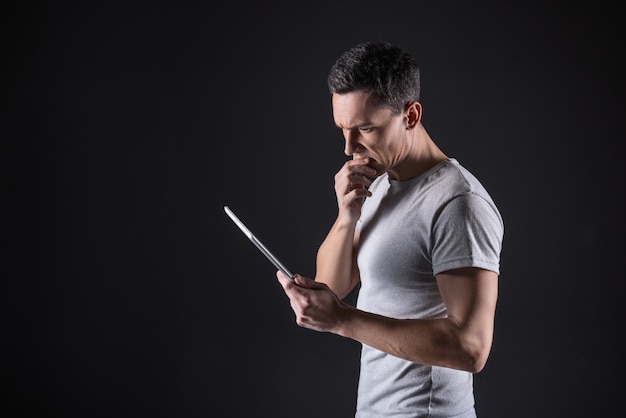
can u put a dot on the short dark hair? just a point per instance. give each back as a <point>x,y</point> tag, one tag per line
<point>385,70</point>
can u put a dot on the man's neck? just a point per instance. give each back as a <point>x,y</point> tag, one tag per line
<point>422,155</point>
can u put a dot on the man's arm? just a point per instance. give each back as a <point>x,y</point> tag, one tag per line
<point>336,257</point>
<point>462,340</point>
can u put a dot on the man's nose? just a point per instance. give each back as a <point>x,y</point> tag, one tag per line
<point>352,142</point>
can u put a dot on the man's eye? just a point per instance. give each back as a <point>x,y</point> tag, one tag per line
<point>366,129</point>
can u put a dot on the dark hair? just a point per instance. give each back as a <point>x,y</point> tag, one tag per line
<point>388,72</point>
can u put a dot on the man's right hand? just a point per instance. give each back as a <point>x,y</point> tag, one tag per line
<point>351,183</point>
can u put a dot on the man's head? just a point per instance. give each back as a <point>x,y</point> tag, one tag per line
<point>387,72</point>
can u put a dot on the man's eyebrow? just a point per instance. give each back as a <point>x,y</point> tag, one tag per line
<point>357,126</point>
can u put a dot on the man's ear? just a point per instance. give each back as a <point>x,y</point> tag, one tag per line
<point>413,114</point>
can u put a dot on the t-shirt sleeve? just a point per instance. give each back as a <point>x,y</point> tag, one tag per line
<point>467,233</point>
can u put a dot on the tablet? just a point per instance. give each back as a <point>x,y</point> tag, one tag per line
<point>280,266</point>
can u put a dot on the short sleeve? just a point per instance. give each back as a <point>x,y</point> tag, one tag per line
<point>468,232</point>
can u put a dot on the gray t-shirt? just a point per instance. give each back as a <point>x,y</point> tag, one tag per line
<point>411,231</point>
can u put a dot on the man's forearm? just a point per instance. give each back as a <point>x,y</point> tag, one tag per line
<point>336,264</point>
<point>438,342</point>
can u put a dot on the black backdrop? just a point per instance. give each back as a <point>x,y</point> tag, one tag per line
<point>126,128</point>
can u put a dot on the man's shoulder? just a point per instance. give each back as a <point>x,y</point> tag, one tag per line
<point>459,180</point>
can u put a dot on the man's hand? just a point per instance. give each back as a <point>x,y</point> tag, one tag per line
<point>315,305</point>
<point>351,185</point>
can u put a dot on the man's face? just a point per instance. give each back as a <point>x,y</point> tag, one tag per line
<point>370,130</point>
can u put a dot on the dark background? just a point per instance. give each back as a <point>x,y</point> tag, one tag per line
<point>127,127</point>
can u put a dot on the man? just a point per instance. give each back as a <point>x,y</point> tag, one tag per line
<point>423,240</point>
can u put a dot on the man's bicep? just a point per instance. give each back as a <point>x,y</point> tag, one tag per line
<point>470,296</point>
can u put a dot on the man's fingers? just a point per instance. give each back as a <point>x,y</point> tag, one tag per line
<point>282,278</point>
